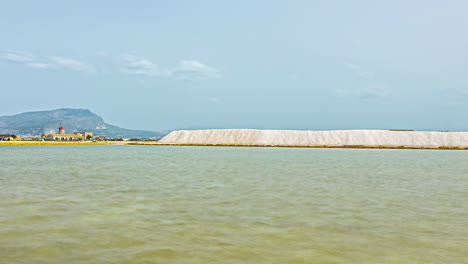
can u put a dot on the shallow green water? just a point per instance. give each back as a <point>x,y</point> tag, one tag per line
<point>155,204</point>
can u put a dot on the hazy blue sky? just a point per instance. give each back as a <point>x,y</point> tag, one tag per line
<point>163,65</point>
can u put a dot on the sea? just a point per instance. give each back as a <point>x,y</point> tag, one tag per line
<point>176,204</point>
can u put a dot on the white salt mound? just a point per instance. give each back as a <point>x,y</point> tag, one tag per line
<point>370,138</point>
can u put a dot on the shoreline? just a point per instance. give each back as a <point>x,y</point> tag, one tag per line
<point>46,143</point>
<point>66,143</point>
<point>360,139</point>
<point>303,146</point>
<point>154,143</point>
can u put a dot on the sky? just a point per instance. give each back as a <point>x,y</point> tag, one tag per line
<point>314,65</point>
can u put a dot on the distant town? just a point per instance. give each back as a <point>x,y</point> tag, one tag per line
<point>45,126</point>
<point>64,137</point>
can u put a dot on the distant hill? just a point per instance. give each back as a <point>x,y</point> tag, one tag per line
<point>73,120</point>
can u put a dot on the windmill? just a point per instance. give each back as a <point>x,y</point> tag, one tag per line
<point>61,129</point>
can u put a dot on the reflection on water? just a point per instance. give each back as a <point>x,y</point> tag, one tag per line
<point>142,204</point>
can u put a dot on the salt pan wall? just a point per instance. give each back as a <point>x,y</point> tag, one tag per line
<point>370,138</point>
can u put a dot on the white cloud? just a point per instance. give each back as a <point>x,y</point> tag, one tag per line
<point>102,54</point>
<point>359,71</point>
<point>17,56</point>
<point>293,77</point>
<point>129,64</point>
<point>371,91</point>
<point>366,74</point>
<point>30,61</point>
<point>374,90</point>
<point>139,66</point>
<point>352,66</point>
<point>340,92</point>
<point>194,70</point>
<point>74,65</point>
<point>42,66</point>
<point>186,70</point>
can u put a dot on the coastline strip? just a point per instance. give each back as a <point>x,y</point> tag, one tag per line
<point>47,143</point>
<point>299,146</point>
<point>319,139</point>
<point>135,143</point>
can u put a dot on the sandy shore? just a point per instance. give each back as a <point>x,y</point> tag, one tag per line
<point>45,143</point>
<point>215,145</point>
<point>59,143</point>
<point>376,139</point>
<point>299,146</point>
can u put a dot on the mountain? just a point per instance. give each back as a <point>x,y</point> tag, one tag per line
<point>73,120</point>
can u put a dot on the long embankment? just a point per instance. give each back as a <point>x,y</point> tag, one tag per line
<point>326,139</point>
<point>48,143</point>
<point>78,143</point>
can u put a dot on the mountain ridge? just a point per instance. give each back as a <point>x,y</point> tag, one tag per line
<point>35,123</point>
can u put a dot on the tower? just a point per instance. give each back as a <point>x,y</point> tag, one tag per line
<point>61,130</point>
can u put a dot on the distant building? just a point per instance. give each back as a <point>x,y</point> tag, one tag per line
<point>61,136</point>
<point>86,135</point>
<point>8,137</point>
<point>99,138</point>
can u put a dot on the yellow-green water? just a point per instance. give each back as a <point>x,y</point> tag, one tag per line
<point>156,204</point>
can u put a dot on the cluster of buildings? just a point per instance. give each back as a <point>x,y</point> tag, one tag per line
<point>9,137</point>
<point>61,136</point>
<point>77,136</point>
